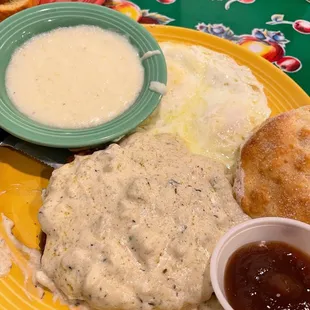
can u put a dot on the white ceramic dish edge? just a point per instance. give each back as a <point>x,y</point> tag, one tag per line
<point>290,231</point>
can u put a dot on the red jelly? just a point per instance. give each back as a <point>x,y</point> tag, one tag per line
<point>268,275</point>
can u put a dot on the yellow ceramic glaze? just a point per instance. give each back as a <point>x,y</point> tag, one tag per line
<point>22,179</point>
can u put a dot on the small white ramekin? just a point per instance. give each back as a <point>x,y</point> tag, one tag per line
<point>279,229</point>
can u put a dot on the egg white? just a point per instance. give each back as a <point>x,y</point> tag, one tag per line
<point>211,102</point>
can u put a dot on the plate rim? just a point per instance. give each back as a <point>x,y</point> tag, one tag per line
<point>190,36</point>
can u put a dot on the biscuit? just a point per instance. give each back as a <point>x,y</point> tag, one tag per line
<point>273,173</point>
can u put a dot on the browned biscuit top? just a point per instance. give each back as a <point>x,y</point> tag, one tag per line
<point>273,177</point>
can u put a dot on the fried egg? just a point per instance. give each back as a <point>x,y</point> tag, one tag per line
<point>211,102</point>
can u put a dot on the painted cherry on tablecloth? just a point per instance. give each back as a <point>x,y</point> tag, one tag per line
<point>228,3</point>
<point>300,25</point>
<point>289,64</point>
<point>166,1</point>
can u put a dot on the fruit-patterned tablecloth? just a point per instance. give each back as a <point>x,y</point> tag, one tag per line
<point>278,30</point>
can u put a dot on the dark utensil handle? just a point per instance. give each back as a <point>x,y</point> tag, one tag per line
<point>3,134</point>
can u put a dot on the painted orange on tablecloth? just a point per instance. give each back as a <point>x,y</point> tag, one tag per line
<point>130,9</point>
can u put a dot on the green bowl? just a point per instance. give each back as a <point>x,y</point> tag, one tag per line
<point>22,26</point>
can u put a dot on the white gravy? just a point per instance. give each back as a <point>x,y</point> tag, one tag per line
<point>75,77</point>
<point>133,226</point>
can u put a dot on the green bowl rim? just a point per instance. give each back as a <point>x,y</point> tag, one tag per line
<point>37,133</point>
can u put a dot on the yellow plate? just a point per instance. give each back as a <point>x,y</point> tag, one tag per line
<point>22,179</point>
<point>282,92</point>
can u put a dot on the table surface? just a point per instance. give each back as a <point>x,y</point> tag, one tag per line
<point>278,30</point>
